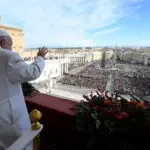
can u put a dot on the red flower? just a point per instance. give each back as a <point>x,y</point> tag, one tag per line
<point>119,117</point>
<point>141,105</point>
<point>107,102</point>
<point>133,102</point>
<point>124,114</point>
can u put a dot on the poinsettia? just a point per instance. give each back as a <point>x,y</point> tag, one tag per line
<point>102,114</point>
<point>96,110</point>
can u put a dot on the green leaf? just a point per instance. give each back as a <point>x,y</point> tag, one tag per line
<point>109,126</point>
<point>94,116</point>
<point>81,110</point>
<point>98,123</point>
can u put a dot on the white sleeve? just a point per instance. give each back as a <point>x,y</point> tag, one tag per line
<point>19,71</point>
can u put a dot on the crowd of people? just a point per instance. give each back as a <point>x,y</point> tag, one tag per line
<point>74,66</point>
<point>129,79</point>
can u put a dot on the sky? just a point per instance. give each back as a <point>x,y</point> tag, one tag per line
<point>61,23</point>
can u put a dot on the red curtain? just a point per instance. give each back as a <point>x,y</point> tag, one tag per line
<point>59,121</point>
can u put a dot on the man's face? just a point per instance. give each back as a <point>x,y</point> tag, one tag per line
<point>6,42</point>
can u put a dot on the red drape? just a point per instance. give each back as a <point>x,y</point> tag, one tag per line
<point>58,120</point>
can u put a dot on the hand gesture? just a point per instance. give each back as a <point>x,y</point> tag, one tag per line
<point>42,52</point>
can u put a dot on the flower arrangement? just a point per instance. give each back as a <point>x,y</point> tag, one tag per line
<point>100,117</point>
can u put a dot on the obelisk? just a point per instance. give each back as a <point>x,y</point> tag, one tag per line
<point>110,87</point>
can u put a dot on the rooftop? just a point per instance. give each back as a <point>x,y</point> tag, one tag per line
<point>9,27</point>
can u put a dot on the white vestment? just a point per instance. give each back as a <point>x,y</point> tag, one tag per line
<point>14,119</point>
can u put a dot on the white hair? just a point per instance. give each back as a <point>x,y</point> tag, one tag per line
<point>3,33</point>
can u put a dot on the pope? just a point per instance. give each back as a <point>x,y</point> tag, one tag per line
<point>14,118</point>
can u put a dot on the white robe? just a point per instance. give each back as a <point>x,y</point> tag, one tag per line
<point>14,119</point>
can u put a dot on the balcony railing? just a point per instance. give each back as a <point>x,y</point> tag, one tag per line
<point>58,120</point>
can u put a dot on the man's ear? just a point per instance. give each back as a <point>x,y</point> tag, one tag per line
<point>2,43</point>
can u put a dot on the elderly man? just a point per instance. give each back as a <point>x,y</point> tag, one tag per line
<point>14,119</point>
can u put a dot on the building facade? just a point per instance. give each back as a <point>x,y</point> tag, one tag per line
<point>16,35</point>
<point>53,68</point>
<point>137,57</point>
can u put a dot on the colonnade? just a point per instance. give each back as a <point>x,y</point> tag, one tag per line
<point>78,59</point>
<point>64,68</point>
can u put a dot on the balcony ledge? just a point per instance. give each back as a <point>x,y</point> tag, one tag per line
<point>59,122</point>
<point>57,118</point>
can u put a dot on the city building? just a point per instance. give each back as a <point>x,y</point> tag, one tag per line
<point>140,57</point>
<point>53,68</point>
<point>17,36</point>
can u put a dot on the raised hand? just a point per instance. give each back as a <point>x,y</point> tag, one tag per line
<point>42,52</point>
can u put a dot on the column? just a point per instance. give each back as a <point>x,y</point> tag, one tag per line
<point>62,68</point>
<point>65,68</point>
<point>59,69</point>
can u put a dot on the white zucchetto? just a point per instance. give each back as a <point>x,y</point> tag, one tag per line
<point>3,33</point>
